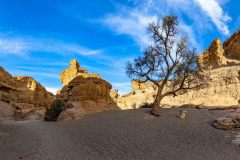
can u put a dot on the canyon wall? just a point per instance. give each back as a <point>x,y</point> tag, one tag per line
<point>220,66</point>
<point>24,97</point>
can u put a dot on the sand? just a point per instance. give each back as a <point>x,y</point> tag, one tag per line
<point>121,135</point>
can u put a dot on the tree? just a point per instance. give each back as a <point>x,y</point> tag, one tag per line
<point>169,63</point>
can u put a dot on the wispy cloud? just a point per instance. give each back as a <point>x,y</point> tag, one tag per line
<point>134,21</point>
<point>25,45</point>
<point>131,22</point>
<point>125,87</point>
<point>213,10</point>
<point>52,90</point>
<point>203,15</point>
<point>13,46</point>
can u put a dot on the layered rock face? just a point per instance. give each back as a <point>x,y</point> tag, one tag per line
<point>218,55</point>
<point>24,96</point>
<point>213,57</point>
<point>85,94</point>
<point>221,69</point>
<point>232,46</point>
<point>74,70</point>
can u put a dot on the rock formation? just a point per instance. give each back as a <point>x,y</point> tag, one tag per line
<point>218,55</point>
<point>232,46</point>
<point>23,95</point>
<point>74,70</point>
<point>213,57</point>
<point>221,68</point>
<point>84,94</point>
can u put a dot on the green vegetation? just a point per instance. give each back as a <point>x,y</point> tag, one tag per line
<point>146,105</point>
<point>52,113</point>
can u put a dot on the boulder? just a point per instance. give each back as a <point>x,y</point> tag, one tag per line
<point>74,110</point>
<point>86,94</point>
<point>182,114</point>
<point>227,122</point>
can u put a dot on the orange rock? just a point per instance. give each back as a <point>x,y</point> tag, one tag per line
<point>87,93</point>
<point>24,94</point>
<point>232,46</point>
<point>74,70</point>
<point>213,57</point>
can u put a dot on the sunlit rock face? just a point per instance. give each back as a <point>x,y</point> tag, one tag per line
<point>232,46</point>
<point>220,65</point>
<point>218,55</point>
<point>74,70</point>
<point>28,98</point>
<point>84,94</point>
<point>213,57</point>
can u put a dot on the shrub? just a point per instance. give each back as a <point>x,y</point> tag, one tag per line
<point>146,105</point>
<point>53,112</point>
<point>133,105</point>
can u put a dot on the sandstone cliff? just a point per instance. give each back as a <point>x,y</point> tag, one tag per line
<point>232,46</point>
<point>218,55</point>
<point>213,57</point>
<point>23,96</point>
<point>84,93</point>
<point>221,68</point>
<point>74,70</point>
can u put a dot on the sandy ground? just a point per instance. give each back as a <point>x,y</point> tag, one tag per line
<point>120,135</point>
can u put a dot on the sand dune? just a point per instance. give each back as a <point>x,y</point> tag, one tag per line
<point>120,135</point>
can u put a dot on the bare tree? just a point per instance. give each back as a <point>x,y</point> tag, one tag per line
<point>169,63</point>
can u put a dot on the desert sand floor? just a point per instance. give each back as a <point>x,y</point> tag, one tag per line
<point>120,135</point>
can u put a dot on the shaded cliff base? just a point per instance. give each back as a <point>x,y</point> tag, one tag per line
<point>122,135</point>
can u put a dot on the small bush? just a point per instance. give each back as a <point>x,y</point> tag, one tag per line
<point>134,105</point>
<point>146,105</point>
<point>52,113</point>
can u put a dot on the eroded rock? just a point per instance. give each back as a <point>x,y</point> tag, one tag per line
<point>182,114</point>
<point>232,46</point>
<point>227,122</point>
<point>87,94</point>
<point>213,57</point>
<point>24,95</point>
<point>74,70</point>
<point>221,72</point>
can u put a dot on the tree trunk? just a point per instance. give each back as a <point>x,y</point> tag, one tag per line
<point>156,105</point>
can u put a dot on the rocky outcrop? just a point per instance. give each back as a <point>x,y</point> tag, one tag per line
<point>74,70</point>
<point>221,73</point>
<point>227,122</point>
<point>85,94</point>
<point>218,55</point>
<point>221,91</point>
<point>213,57</point>
<point>27,97</point>
<point>232,46</point>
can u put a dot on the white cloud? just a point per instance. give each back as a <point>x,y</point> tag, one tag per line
<point>23,46</point>
<point>52,90</point>
<point>124,87</point>
<point>213,10</point>
<point>133,23</point>
<point>14,46</point>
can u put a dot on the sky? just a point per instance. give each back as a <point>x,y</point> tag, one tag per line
<point>38,38</point>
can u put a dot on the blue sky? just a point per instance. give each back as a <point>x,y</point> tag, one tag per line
<point>39,37</point>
